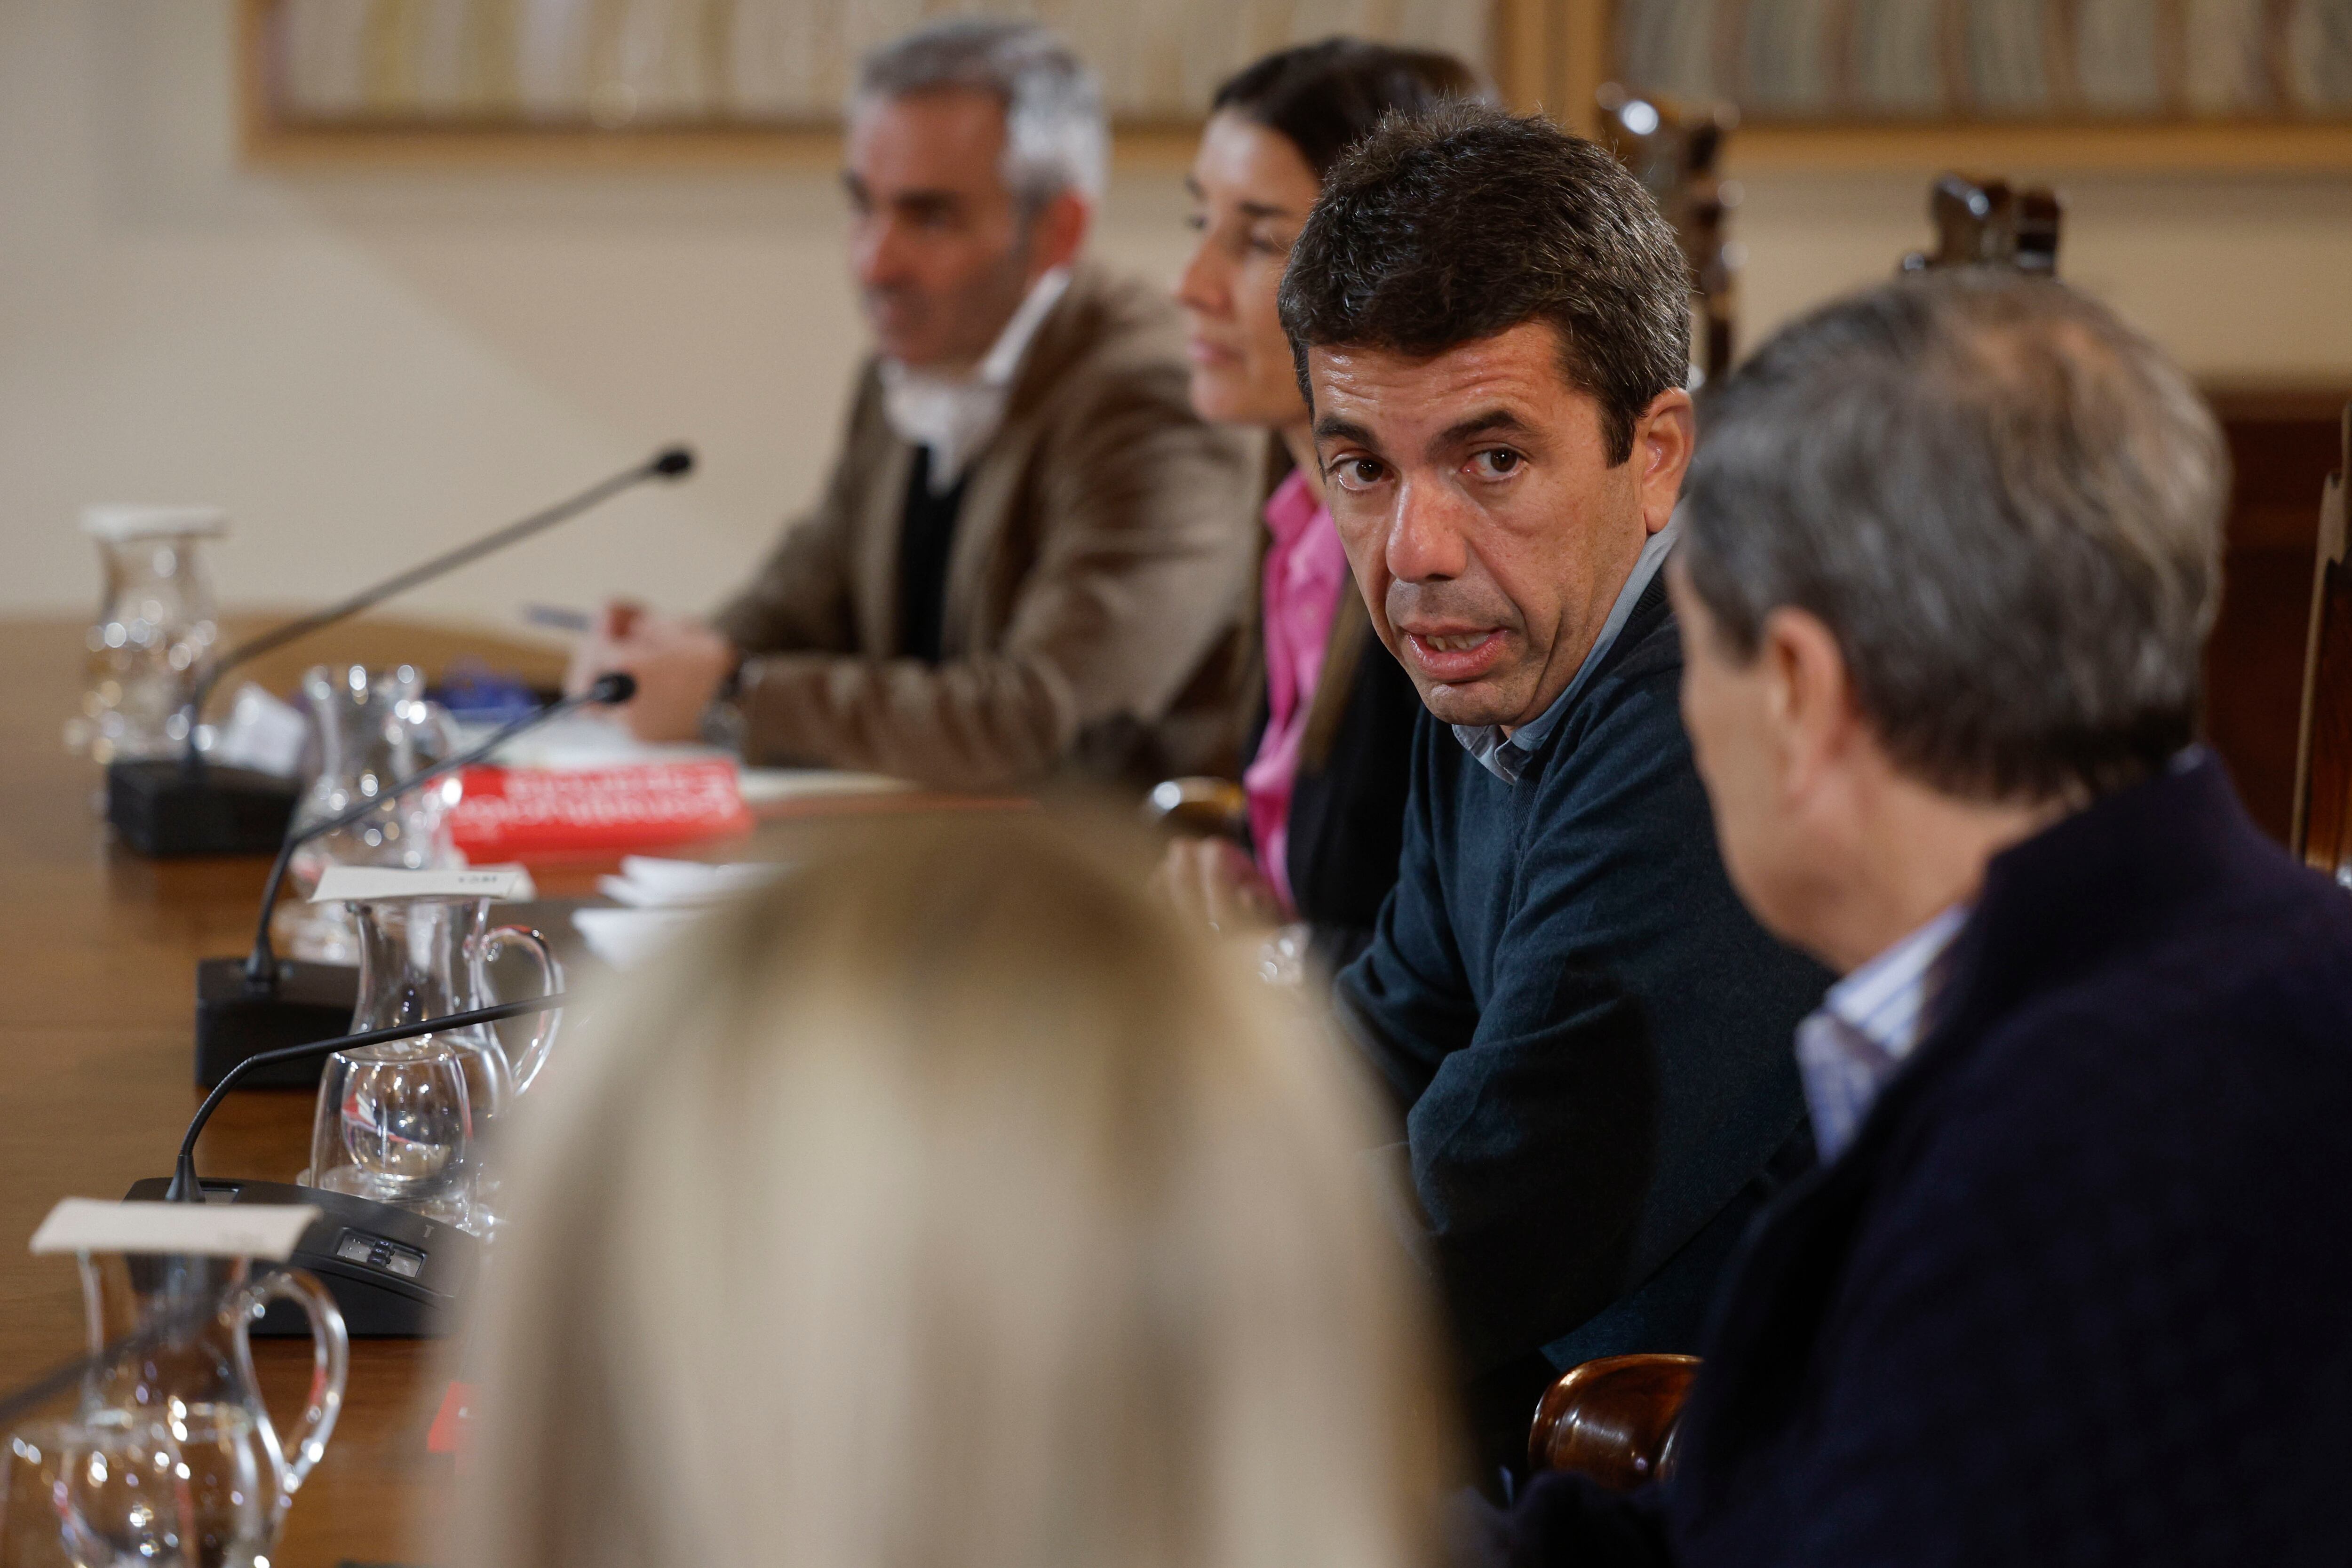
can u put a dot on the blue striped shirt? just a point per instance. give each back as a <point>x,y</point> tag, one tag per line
<point>1867,1026</point>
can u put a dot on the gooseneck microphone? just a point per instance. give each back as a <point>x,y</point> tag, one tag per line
<point>184,1187</point>
<point>256,1004</point>
<point>669,463</point>
<point>167,809</point>
<point>394,1274</point>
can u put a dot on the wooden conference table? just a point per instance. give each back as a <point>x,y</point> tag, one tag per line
<point>97,955</point>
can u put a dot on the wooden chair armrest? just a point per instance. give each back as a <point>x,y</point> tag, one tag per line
<point>1613,1420</point>
<point>1209,808</point>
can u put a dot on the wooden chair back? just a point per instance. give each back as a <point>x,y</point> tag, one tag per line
<point>1980,222</point>
<point>1674,149</point>
<point>1613,1420</point>
<point>2322,833</point>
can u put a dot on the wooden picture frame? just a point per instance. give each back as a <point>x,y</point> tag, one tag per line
<point>1548,54</point>
<point>1529,53</point>
<point>2168,144</point>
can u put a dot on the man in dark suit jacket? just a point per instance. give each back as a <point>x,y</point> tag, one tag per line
<point>2075,1284</point>
<point>1583,1030</point>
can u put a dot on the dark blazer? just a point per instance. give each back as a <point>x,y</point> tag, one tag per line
<point>1347,802</point>
<point>1585,1031</point>
<point>2081,1290</point>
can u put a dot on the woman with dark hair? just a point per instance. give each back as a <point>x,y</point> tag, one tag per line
<point>1326,780</point>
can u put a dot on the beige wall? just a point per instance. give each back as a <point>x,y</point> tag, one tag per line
<point>364,366</point>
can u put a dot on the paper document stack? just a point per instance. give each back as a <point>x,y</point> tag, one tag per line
<point>657,899</point>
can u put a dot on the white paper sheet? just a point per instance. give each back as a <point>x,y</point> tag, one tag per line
<point>625,938</point>
<point>646,882</point>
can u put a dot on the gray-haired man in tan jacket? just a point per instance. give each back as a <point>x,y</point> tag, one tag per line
<point>1032,556</point>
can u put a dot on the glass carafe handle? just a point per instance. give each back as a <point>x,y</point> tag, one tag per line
<point>489,945</point>
<point>330,1356</point>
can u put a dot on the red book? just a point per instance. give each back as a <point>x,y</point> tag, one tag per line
<point>514,814</point>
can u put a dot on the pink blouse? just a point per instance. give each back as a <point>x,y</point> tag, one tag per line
<point>1306,572</point>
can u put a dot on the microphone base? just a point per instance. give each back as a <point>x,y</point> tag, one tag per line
<point>310,1002</point>
<point>394,1275</point>
<point>164,812</point>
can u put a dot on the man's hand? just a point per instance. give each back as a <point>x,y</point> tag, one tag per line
<point>679,664</point>
<point>1213,881</point>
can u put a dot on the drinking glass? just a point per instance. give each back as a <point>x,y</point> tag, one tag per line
<point>394,1124</point>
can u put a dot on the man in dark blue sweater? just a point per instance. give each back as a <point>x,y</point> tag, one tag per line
<point>2075,1282</point>
<point>1584,1030</point>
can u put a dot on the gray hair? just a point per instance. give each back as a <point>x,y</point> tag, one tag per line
<point>1055,138</point>
<point>2004,504</point>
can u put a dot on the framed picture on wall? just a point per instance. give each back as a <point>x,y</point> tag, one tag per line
<point>762,79</point>
<point>2113,83</point>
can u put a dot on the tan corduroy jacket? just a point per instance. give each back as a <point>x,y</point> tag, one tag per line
<point>1098,604</point>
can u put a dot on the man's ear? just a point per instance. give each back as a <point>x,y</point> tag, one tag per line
<point>1058,232</point>
<point>1808,697</point>
<point>1664,437</point>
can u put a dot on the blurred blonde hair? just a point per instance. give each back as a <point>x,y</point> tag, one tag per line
<point>949,1207</point>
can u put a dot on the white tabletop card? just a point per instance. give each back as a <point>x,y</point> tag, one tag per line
<point>363,884</point>
<point>217,1230</point>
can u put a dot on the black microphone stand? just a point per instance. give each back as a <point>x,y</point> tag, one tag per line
<point>167,809</point>
<point>393,1273</point>
<point>258,1004</point>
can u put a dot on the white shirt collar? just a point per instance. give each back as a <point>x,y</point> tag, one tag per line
<point>954,416</point>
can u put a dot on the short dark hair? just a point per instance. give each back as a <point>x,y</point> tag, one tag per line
<point>1463,222</point>
<point>2006,506</point>
<point>1324,97</point>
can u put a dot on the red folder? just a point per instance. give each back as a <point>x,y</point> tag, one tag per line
<point>514,814</point>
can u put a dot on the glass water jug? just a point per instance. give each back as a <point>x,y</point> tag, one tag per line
<point>156,626</point>
<point>375,729</point>
<point>407,1123</point>
<point>103,1495</point>
<point>194,1377</point>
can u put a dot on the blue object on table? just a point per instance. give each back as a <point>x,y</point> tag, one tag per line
<point>472,690</point>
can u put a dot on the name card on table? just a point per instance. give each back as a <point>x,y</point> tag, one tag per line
<point>267,1231</point>
<point>373,884</point>
<point>519,812</point>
